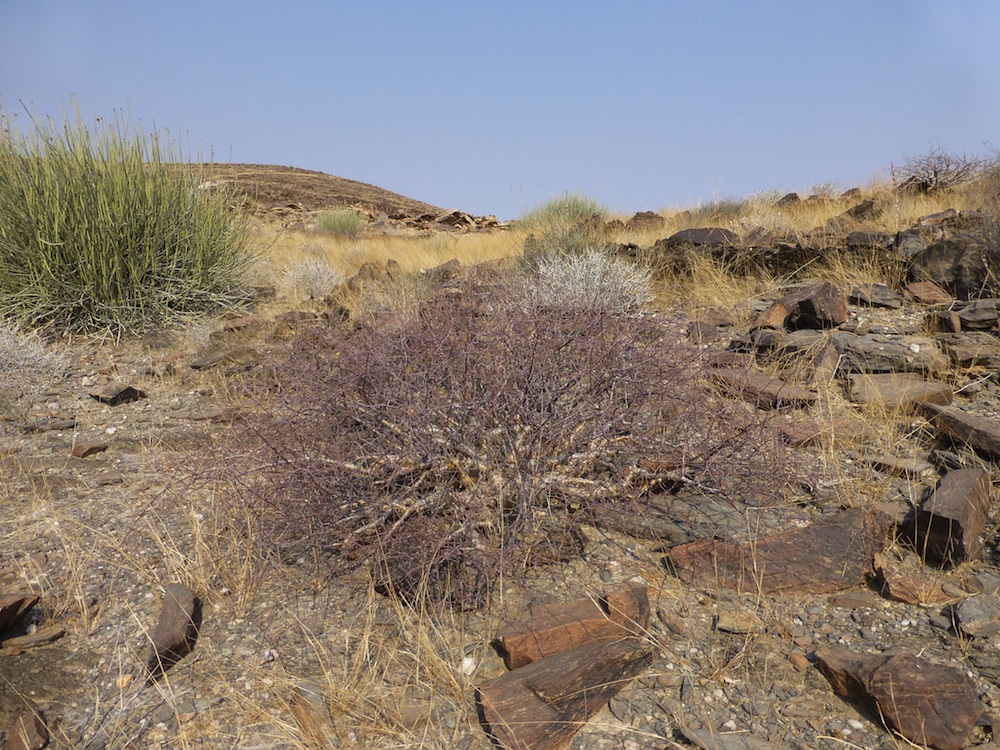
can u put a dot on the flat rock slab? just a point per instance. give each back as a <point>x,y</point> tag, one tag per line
<point>621,611</point>
<point>541,706</point>
<point>763,390</point>
<point>973,349</point>
<point>947,527</point>
<point>929,293</point>
<point>833,554</point>
<point>820,305</point>
<point>981,433</point>
<point>898,390</point>
<point>927,703</point>
<point>810,431</point>
<point>918,588</point>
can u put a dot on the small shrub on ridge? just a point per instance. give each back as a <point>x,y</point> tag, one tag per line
<point>341,222</point>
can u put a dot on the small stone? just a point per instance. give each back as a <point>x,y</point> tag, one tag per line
<point>85,449</point>
<point>28,733</point>
<point>799,661</point>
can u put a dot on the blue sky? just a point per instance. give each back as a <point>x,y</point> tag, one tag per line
<point>496,107</point>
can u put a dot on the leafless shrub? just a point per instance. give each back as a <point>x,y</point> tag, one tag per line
<point>939,169</point>
<point>25,358</point>
<point>470,440</point>
<point>313,277</point>
<point>592,281</point>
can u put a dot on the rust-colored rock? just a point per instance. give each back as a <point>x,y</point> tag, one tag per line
<point>898,390</point>
<point>981,433</point>
<point>833,554</point>
<point>28,733</point>
<point>176,630</point>
<point>930,704</point>
<point>552,628</point>
<point>912,588</point>
<point>947,526</point>
<point>763,390</point>
<point>85,449</point>
<point>819,305</point>
<point>541,706</point>
<point>929,293</point>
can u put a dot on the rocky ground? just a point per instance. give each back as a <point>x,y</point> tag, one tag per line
<point>107,487</point>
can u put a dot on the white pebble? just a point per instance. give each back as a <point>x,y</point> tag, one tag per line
<point>855,724</point>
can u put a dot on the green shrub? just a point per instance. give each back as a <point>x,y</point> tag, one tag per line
<point>341,222</point>
<point>567,209</point>
<point>101,229</point>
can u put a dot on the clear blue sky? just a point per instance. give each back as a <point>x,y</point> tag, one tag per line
<point>496,107</point>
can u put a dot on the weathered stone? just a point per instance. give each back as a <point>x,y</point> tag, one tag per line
<point>980,432</point>
<point>816,306</point>
<point>176,630</point>
<point>231,357</point>
<point>918,588</point>
<point>710,236</point>
<point>51,424</point>
<point>929,293</point>
<point>943,321</point>
<point>113,394</point>
<point>737,621</point>
<point>455,219</point>
<point>972,349</point>
<point>709,739</point>
<point>875,295</point>
<point>28,733</point>
<point>862,211</point>
<point>978,616</point>
<point>84,449</point>
<point>947,526</point>
<point>447,271</point>
<point>980,315</point>
<point>936,219</point>
<point>788,200</point>
<point>901,466</point>
<point>909,243</point>
<point>38,638</point>
<point>898,390</point>
<point>833,554</point>
<point>963,265</point>
<point>14,608</point>
<point>551,628</point>
<point>541,706</point>
<point>761,389</point>
<point>927,703</point>
<point>863,240</point>
<point>825,432</point>
<point>878,353</point>
<point>645,221</point>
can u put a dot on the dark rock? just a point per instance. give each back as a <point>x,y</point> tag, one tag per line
<point>947,526</point>
<point>933,220</point>
<point>788,200</point>
<point>980,432</point>
<point>862,211</point>
<point>816,306</point>
<point>972,350</point>
<point>978,616</point>
<point>861,240</point>
<point>898,390</point>
<point>927,703</point>
<point>943,321</point>
<point>447,271</point>
<point>981,315</point>
<point>832,554</point>
<point>240,357</point>
<point>644,221</point>
<point>710,236</point>
<point>51,424</point>
<point>552,628</point>
<point>114,394</point>
<point>909,244</point>
<point>541,706</point>
<point>873,353</point>
<point>455,219</point>
<point>875,295</point>
<point>176,630</point>
<point>964,266</point>
<point>14,608</point>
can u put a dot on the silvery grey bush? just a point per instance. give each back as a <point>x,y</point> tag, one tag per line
<point>589,281</point>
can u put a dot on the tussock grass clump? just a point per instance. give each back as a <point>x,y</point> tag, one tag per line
<point>25,360</point>
<point>567,209</point>
<point>341,222</point>
<point>100,231</point>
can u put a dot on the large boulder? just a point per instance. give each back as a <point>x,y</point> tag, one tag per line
<point>964,265</point>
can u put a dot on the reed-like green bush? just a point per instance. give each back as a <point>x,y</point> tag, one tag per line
<point>566,210</point>
<point>104,228</point>
<point>342,222</point>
